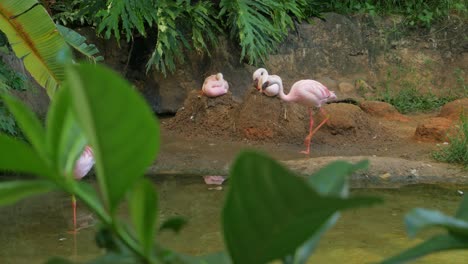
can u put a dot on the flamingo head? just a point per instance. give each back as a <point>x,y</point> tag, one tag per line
<point>259,77</point>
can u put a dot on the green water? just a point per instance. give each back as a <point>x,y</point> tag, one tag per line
<point>35,229</point>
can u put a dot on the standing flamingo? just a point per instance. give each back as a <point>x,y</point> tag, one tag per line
<point>305,92</point>
<point>215,85</point>
<point>271,90</point>
<point>82,166</point>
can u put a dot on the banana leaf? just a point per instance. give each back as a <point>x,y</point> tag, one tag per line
<point>36,40</point>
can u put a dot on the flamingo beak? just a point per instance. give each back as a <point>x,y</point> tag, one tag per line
<point>264,86</point>
<point>255,84</point>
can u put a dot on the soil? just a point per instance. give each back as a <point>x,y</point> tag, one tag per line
<point>207,133</point>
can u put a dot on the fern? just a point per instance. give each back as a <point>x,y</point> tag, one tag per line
<point>126,16</point>
<point>78,42</point>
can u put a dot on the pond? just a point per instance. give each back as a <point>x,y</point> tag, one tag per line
<point>36,228</point>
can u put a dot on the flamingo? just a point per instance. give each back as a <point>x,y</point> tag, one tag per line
<point>82,166</point>
<point>271,90</point>
<point>309,93</point>
<point>215,85</point>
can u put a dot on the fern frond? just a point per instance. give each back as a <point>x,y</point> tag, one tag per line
<point>126,16</point>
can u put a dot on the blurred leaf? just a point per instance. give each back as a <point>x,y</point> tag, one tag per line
<point>269,211</point>
<point>435,244</point>
<point>143,205</point>
<point>174,223</point>
<point>78,42</point>
<point>332,178</point>
<point>28,123</point>
<point>115,258</point>
<point>65,139</point>
<point>88,195</point>
<point>112,114</point>
<point>19,157</point>
<point>420,218</point>
<point>13,191</point>
<point>214,258</point>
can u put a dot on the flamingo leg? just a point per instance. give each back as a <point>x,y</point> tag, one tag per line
<point>309,136</point>
<point>312,132</point>
<point>74,231</point>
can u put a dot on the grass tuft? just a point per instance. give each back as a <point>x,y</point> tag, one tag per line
<point>457,150</point>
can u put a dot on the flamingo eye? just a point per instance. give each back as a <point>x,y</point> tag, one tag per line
<point>261,73</point>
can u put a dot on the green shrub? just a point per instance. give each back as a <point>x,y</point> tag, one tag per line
<point>457,150</point>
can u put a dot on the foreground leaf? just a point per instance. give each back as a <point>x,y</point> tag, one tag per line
<point>28,122</point>
<point>143,209</point>
<point>330,180</point>
<point>13,191</point>
<point>17,156</point>
<point>65,139</point>
<point>432,245</point>
<point>269,211</point>
<point>35,39</point>
<point>118,123</point>
<point>419,219</point>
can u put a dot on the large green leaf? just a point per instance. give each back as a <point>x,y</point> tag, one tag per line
<point>17,156</point>
<point>78,42</point>
<point>35,39</point>
<point>330,180</point>
<point>65,140</point>
<point>143,208</point>
<point>419,219</point>
<point>435,244</point>
<point>89,195</point>
<point>120,126</point>
<point>13,191</point>
<point>28,122</point>
<point>269,211</point>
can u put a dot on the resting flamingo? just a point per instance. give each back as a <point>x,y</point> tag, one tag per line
<point>271,90</point>
<point>82,166</point>
<point>309,93</point>
<point>215,85</point>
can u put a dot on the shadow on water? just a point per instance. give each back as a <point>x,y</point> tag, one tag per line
<point>36,228</point>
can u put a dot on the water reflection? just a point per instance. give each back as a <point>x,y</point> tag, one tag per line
<point>37,228</point>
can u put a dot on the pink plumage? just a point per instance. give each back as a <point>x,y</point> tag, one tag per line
<point>215,85</point>
<point>84,163</point>
<point>309,93</point>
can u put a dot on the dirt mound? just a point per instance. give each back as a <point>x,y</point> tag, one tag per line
<point>349,123</point>
<point>201,115</point>
<point>268,119</point>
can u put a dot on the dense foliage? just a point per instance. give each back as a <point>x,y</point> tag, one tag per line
<point>257,26</point>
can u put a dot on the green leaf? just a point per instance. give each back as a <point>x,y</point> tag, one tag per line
<point>112,114</point>
<point>65,139</point>
<point>28,123</point>
<point>420,218</point>
<point>214,258</point>
<point>174,223</point>
<point>20,157</point>
<point>35,39</point>
<point>332,178</point>
<point>88,195</point>
<point>78,42</point>
<point>435,244</point>
<point>143,205</point>
<point>269,211</point>
<point>13,191</point>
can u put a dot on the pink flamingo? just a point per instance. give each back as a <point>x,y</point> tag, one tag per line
<point>271,90</point>
<point>215,85</point>
<point>309,93</point>
<point>82,166</point>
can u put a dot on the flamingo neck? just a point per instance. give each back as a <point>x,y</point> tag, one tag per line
<point>282,95</point>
